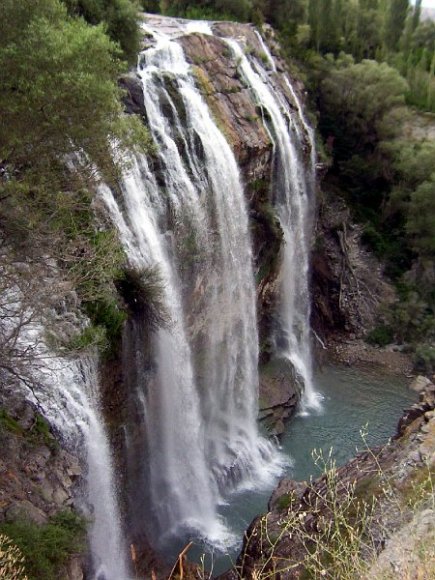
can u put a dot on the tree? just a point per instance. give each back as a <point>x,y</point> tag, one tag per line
<point>120,18</point>
<point>416,14</point>
<point>356,103</point>
<point>58,92</point>
<point>420,223</point>
<point>395,22</point>
<point>61,119</point>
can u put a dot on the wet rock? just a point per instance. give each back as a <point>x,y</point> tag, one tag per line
<point>46,489</point>
<point>133,97</point>
<point>288,489</point>
<point>74,569</point>
<point>60,496</point>
<point>278,384</point>
<point>279,394</point>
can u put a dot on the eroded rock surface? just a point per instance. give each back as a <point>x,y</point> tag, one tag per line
<point>348,284</point>
<point>37,477</point>
<point>280,392</point>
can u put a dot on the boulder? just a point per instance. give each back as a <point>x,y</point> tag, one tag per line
<point>419,383</point>
<point>133,96</point>
<point>25,511</point>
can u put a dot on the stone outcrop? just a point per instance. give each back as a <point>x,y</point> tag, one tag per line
<point>279,395</point>
<point>38,477</point>
<point>348,285</point>
<point>240,120</point>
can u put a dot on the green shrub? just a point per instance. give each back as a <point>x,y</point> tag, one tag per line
<point>46,548</point>
<point>152,6</point>
<point>105,314</point>
<point>37,434</point>
<point>8,423</point>
<point>143,291</point>
<point>119,17</point>
<point>424,358</point>
<point>381,335</point>
<point>374,239</point>
<point>90,337</point>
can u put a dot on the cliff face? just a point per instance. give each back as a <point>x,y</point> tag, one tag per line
<point>39,477</point>
<point>348,286</point>
<point>240,119</point>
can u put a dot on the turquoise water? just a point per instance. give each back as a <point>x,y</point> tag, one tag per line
<point>354,400</point>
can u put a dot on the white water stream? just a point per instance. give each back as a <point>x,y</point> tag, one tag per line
<point>187,215</point>
<point>294,201</point>
<point>202,436</point>
<point>66,392</point>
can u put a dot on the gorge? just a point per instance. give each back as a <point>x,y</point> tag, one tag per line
<point>216,225</point>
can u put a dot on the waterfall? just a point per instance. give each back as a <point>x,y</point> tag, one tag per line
<point>188,216</point>
<point>294,186</point>
<point>66,393</point>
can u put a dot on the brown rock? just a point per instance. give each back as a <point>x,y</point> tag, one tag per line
<point>25,511</point>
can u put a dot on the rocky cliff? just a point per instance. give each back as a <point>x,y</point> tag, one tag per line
<point>40,481</point>
<point>39,477</point>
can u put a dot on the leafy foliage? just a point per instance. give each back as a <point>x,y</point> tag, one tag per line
<point>61,119</point>
<point>381,335</point>
<point>119,16</point>
<point>47,547</point>
<point>144,293</point>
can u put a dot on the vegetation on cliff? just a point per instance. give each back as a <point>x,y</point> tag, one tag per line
<point>45,548</point>
<point>62,117</point>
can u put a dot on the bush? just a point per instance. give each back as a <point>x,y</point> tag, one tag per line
<point>105,314</point>
<point>37,434</point>
<point>46,548</point>
<point>90,337</point>
<point>424,358</point>
<point>119,16</point>
<point>144,293</point>
<point>381,335</point>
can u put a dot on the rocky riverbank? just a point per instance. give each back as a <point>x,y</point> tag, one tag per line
<point>391,359</point>
<point>351,514</point>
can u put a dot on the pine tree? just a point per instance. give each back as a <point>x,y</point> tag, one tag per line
<point>395,22</point>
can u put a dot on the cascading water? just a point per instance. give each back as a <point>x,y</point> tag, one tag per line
<point>179,483</point>
<point>66,392</point>
<point>190,219</point>
<point>199,405</point>
<point>294,191</point>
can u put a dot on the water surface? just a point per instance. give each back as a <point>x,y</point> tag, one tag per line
<point>355,400</point>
